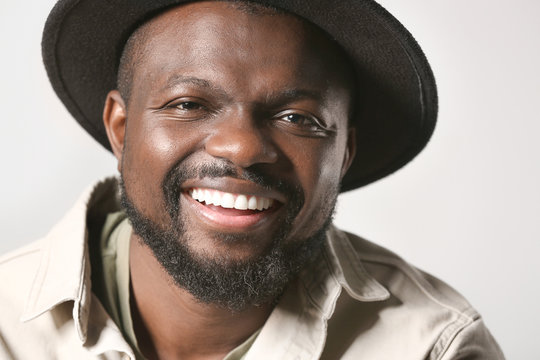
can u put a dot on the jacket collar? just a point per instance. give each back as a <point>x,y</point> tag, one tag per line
<point>340,268</point>
<point>347,267</point>
<point>64,270</point>
<point>64,275</point>
<point>297,328</point>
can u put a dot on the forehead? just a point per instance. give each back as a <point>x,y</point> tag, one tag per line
<point>224,19</point>
<point>195,35</point>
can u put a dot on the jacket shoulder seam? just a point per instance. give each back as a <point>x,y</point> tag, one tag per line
<point>447,337</point>
<point>468,312</point>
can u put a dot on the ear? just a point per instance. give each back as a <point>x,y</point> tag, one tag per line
<point>350,151</point>
<point>114,118</point>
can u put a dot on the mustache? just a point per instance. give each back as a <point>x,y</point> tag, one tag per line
<point>181,172</point>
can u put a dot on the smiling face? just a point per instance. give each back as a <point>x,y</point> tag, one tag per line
<point>235,137</point>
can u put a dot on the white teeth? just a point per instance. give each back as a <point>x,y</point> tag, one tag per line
<point>252,203</point>
<point>208,196</point>
<point>241,202</point>
<point>216,198</point>
<point>200,195</point>
<point>228,200</point>
<point>260,204</point>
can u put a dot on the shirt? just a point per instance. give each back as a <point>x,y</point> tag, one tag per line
<point>111,281</point>
<point>360,301</point>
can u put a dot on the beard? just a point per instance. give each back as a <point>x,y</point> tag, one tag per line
<point>222,280</point>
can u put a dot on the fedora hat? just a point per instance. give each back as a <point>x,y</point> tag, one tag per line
<point>396,108</point>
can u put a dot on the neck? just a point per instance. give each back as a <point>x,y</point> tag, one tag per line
<point>171,324</point>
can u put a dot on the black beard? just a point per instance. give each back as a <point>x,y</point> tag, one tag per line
<point>223,281</point>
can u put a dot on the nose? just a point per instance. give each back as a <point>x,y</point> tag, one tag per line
<point>239,139</point>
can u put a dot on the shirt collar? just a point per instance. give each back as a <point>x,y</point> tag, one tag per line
<point>301,314</point>
<point>64,270</point>
<point>349,271</point>
<point>297,327</point>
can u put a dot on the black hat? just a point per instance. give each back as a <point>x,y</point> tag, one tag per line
<point>397,105</point>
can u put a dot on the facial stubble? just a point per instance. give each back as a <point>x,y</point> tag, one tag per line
<point>220,279</point>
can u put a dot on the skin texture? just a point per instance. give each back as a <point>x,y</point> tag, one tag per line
<point>220,86</point>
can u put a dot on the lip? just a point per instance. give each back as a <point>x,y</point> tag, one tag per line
<point>231,220</point>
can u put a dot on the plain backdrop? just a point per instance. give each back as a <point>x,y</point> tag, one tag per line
<point>467,209</point>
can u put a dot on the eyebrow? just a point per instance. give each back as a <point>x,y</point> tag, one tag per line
<point>277,98</point>
<point>176,80</point>
<point>290,95</point>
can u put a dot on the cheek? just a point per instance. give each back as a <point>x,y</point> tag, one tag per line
<point>152,149</point>
<point>318,164</point>
<point>317,167</point>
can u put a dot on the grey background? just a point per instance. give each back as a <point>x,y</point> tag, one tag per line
<point>467,209</point>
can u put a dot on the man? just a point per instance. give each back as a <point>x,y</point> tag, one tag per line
<point>235,126</point>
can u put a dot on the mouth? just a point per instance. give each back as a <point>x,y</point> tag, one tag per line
<point>228,200</point>
<point>228,211</point>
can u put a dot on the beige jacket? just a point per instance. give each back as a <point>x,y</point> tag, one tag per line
<point>359,302</point>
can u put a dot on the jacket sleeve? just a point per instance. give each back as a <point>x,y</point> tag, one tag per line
<point>473,342</point>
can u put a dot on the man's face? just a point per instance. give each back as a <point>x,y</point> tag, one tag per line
<point>232,109</point>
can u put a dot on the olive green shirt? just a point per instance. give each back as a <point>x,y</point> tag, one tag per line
<point>112,283</point>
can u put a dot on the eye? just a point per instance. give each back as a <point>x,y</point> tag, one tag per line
<point>296,119</point>
<point>188,105</point>
<point>301,123</point>
<point>186,109</point>
<point>301,120</point>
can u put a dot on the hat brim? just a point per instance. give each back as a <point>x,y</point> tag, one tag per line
<point>396,108</point>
